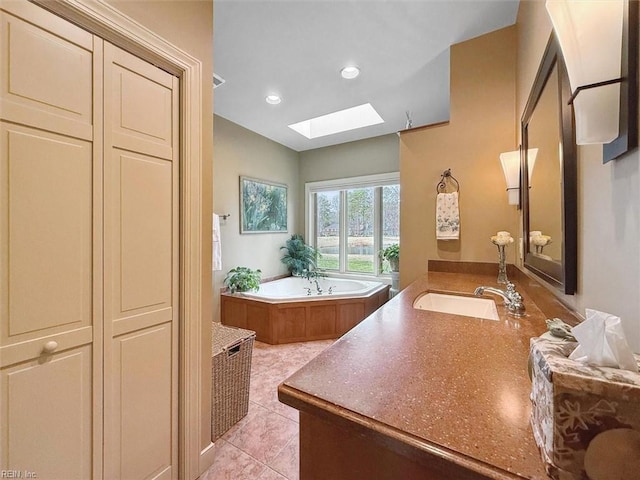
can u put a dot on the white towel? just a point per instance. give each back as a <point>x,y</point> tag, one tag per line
<point>447,216</point>
<point>217,245</point>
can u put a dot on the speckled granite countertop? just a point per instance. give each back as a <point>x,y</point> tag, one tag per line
<point>447,386</point>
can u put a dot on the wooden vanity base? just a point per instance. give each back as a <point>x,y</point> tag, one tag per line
<point>342,453</point>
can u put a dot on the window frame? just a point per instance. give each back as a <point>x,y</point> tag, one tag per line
<point>344,184</point>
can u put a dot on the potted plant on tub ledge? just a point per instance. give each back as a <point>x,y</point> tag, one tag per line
<point>299,257</point>
<point>392,255</point>
<point>242,279</point>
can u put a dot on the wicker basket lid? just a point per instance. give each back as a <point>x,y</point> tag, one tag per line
<point>223,337</point>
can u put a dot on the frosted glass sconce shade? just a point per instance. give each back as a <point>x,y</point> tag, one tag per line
<point>511,168</point>
<point>590,36</point>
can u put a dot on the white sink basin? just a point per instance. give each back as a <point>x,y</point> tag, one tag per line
<point>457,305</point>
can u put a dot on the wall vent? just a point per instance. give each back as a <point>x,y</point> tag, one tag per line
<point>217,80</point>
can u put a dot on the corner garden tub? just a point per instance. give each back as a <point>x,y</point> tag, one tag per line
<point>294,309</point>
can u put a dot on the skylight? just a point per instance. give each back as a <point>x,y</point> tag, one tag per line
<point>336,122</point>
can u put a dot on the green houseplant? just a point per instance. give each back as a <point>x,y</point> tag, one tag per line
<point>392,255</point>
<point>242,279</point>
<point>299,257</point>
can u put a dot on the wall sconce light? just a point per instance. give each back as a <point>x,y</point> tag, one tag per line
<point>597,40</point>
<point>511,168</point>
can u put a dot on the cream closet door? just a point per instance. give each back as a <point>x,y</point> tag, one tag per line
<point>50,239</point>
<point>141,274</point>
<point>88,257</point>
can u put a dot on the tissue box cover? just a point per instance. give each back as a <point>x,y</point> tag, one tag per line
<point>573,403</point>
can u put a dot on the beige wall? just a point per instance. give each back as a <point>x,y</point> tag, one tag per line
<point>354,159</point>
<point>481,127</point>
<point>189,26</point>
<point>239,151</point>
<point>608,202</point>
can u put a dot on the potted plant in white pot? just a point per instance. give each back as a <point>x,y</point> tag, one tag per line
<point>391,254</point>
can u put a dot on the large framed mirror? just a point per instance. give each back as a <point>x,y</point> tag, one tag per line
<point>549,175</point>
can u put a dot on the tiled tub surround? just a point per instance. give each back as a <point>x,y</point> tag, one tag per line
<point>314,318</point>
<point>417,394</point>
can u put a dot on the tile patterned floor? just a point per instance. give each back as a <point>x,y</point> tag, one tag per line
<point>264,445</point>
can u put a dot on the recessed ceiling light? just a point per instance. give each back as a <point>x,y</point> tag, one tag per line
<point>273,99</point>
<point>350,72</point>
<point>341,121</point>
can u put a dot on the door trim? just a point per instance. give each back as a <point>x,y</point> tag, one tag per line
<point>108,23</point>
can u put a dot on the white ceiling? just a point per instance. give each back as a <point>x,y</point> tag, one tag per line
<point>296,48</point>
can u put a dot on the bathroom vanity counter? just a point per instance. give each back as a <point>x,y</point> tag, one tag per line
<point>418,394</point>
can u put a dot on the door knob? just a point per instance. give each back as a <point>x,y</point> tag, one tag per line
<point>50,346</point>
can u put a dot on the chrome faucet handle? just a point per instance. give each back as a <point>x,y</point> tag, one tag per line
<point>511,291</point>
<point>516,304</point>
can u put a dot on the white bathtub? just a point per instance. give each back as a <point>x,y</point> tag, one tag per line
<point>295,289</point>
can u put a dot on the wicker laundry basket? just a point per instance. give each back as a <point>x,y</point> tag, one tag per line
<point>230,372</point>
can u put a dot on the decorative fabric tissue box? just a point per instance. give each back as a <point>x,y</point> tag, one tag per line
<point>585,419</point>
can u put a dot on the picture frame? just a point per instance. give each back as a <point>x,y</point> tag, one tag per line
<point>263,206</point>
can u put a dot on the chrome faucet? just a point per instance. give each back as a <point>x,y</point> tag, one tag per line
<point>512,299</point>
<point>318,289</point>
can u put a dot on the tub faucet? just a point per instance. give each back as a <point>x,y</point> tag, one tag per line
<point>318,289</point>
<point>512,299</point>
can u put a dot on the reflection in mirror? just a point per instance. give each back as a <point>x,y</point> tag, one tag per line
<point>545,179</point>
<point>549,197</point>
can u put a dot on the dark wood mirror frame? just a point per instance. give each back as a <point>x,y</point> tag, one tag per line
<point>562,275</point>
<point>628,135</point>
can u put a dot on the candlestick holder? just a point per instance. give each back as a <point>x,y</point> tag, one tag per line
<point>502,266</point>
<point>500,241</point>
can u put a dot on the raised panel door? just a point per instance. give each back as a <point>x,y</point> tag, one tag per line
<point>47,416</point>
<point>88,260</point>
<point>50,245</point>
<point>47,193</point>
<point>142,363</point>
<point>141,268</point>
<point>46,71</point>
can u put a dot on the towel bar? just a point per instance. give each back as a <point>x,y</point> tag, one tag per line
<point>441,187</point>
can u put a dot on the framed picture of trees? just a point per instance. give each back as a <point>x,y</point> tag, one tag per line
<point>263,206</point>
